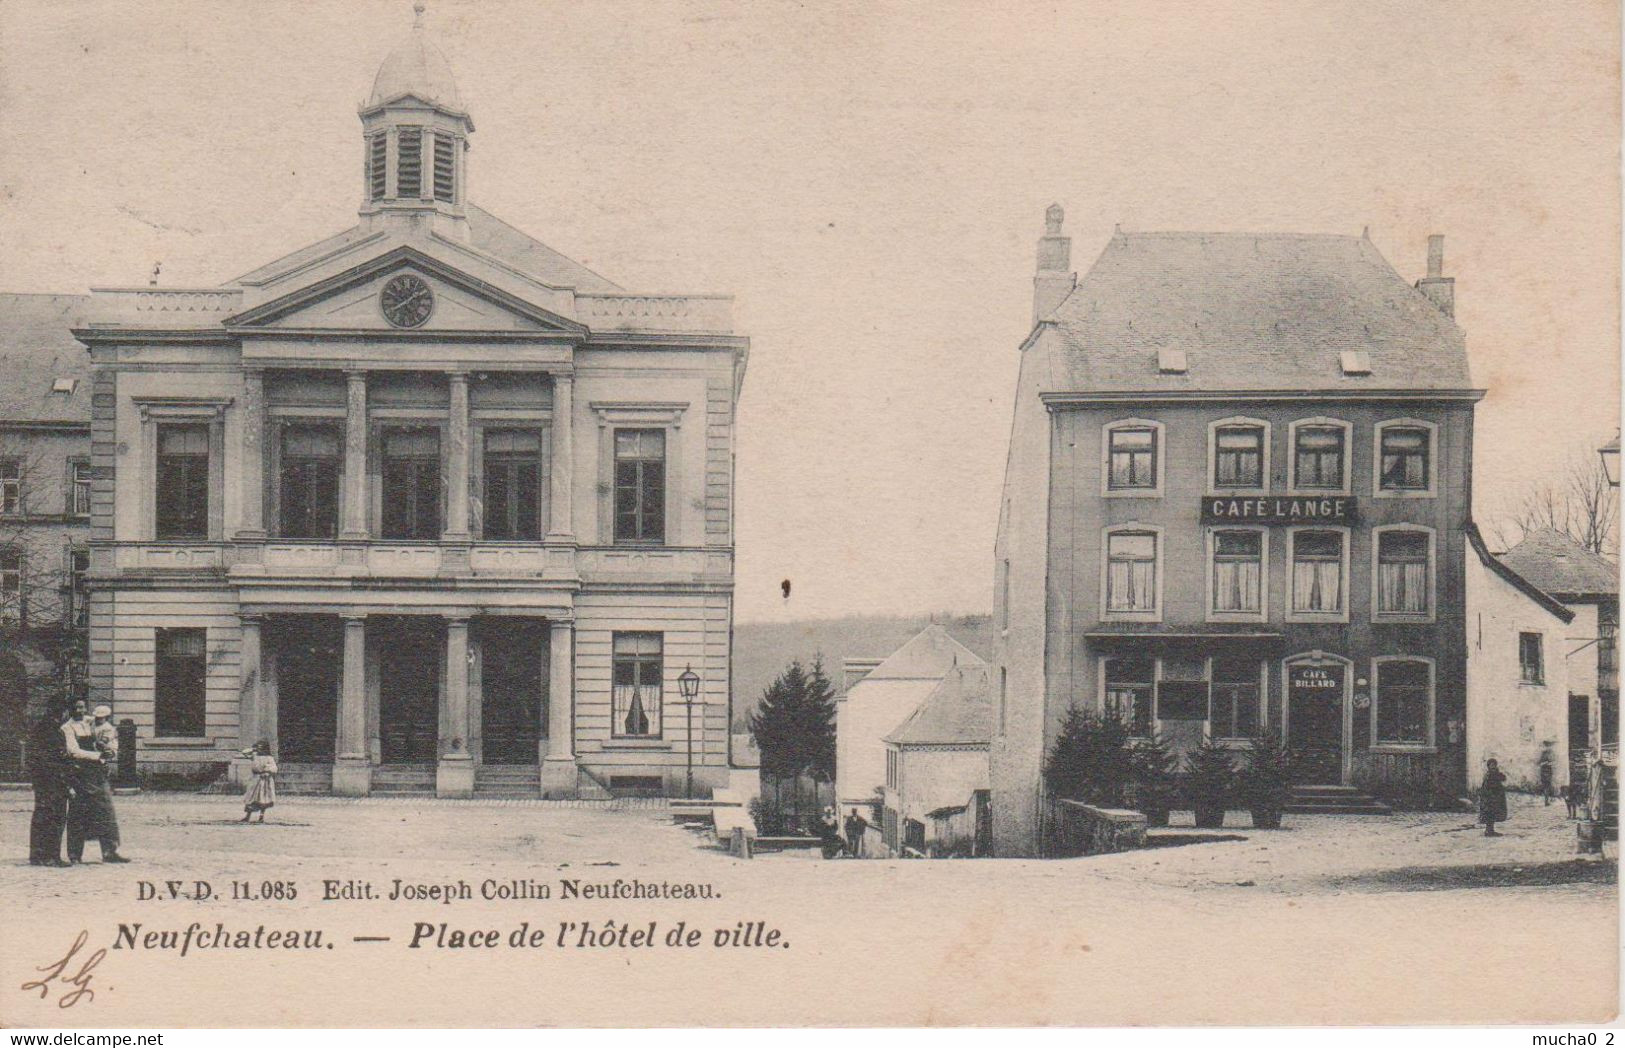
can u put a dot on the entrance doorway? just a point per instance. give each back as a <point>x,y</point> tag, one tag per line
<point>409,663</point>
<point>1316,694</point>
<point>513,703</point>
<point>308,650</point>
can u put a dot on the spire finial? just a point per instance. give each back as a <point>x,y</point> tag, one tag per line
<point>417,14</point>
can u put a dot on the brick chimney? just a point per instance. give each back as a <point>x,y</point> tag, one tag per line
<point>1440,289</point>
<point>1055,279</point>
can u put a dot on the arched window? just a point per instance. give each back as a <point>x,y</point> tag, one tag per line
<point>1319,582</point>
<point>1320,455</point>
<point>1405,458</point>
<point>1131,575</point>
<point>1239,455</point>
<point>1132,458</point>
<point>1402,572</point>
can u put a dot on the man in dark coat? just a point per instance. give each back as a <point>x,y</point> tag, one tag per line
<point>45,767</point>
<point>90,811</point>
<point>855,825</point>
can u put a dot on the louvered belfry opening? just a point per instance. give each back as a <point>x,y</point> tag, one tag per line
<point>445,159</point>
<point>377,154</point>
<point>409,163</point>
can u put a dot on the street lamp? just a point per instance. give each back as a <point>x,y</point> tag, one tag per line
<point>1609,453</point>
<point>689,685</point>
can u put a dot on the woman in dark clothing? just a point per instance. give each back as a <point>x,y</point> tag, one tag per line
<point>45,766</point>
<point>1492,798</point>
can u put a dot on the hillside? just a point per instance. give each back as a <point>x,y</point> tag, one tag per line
<point>762,650</point>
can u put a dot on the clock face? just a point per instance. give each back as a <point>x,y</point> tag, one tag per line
<point>406,301</point>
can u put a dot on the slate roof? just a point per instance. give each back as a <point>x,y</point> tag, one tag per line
<point>1562,567</point>
<point>1253,312</point>
<point>37,347</point>
<point>930,654</point>
<point>958,711</point>
<point>1498,565</point>
<point>487,233</point>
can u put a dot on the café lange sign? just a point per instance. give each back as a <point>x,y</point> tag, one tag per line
<point>1277,509</point>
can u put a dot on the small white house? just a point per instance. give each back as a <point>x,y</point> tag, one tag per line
<point>1517,675</point>
<point>879,695</point>
<point>937,767</point>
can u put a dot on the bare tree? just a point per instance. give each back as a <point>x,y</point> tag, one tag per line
<point>1576,500</point>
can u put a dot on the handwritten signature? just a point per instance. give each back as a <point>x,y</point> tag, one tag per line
<point>80,980</point>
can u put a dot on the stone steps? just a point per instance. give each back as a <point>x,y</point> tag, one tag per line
<point>1334,800</point>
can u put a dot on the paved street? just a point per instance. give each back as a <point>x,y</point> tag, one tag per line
<point>1331,918</point>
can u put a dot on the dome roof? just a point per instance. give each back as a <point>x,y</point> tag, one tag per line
<point>416,67</point>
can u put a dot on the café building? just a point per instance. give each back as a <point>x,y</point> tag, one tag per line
<point>1239,472</point>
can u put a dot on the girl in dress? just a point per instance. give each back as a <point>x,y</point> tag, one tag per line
<point>262,791</point>
<point>1492,798</point>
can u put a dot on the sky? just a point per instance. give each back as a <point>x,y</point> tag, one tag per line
<point>869,181</point>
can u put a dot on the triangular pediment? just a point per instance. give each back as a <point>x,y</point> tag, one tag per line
<point>353,300</point>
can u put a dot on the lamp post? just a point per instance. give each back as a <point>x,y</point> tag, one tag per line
<point>1609,453</point>
<point>689,685</point>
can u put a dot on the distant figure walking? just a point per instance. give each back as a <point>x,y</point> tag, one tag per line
<point>1547,772</point>
<point>855,825</point>
<point>1492,798</point>
<point>829,834</point>
<point>47,768</point>
<point>261,793</point>
<point>90,810</point>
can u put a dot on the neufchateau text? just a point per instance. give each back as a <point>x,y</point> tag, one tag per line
<point>358,889</point>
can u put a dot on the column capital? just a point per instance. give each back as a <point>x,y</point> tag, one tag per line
<point>457,374</point>
<point>354,618</point>
<point>252,618</point>
<point>354,375</point>
<point>457,620</point>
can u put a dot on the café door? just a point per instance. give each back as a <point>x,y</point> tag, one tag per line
<point>1316,718</point>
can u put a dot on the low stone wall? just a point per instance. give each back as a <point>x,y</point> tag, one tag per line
<point>1087,830</point>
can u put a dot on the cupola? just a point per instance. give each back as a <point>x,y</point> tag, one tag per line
<point>415,138</point>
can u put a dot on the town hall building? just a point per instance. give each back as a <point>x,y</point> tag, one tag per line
<point>426,505</point>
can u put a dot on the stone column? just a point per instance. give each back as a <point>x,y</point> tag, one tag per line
<point>559,776</point>
<point>561,517</point>
<point>454,773</point>
<point>353,518</point>
<point>251,695</point>
<point>457,462</point>
<point>251,477</point>
<point>352,770</point>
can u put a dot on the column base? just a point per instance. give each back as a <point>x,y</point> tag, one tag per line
<point>352,777</point>
<point>561,780</point>
<point>454,776</point>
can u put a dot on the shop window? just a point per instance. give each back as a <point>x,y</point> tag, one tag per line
<point>1404,458</point>
<point>179,682</point>
<point>1531,659</point>
<point>1238,457</point>
<point>1319,454</point>
<point>1236,694</point>
<point>1131,458</point>
<point>1318,572</point>
<point>312,461</point>
<point>513,484</point>
<point>182,497</point>
<point>1131,571</point>
<point>1182,693</point>
<point>1404,700</point>
<point>11,487</point>
<point>1404,572</point>
<point>1238,572</point>
<point>1129,684</point>
<point>640,485</point>
<point>637,672</point>
<point>411,484</point>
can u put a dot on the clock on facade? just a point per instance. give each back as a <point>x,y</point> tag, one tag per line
<point>406,301</point>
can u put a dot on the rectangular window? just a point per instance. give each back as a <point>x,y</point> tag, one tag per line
<point>312,461</point>
<point>1318,458</point>
<point>78,588</point>
<point>640,485</point>
<point>409,163</point>
<point>1128,692</point>
<point>891,768</point>
<point>377,161</point>
<point>1531,659</point>
<point>513,484</point>
<point>1402,702</point>
<point>1235,697</point>
<point>182,503</point>
<point>1238,457</point>
<point>637,671</point>
<point>1402,573</point>
<point>1133,458</point>
<point>1238,571</point>
<point>445,160</point>
<point>1182,693</point>
<point>1405,465</point>
<point>1317,571</point>
<point>411,476</point>
<point>11,486</point>
<point>79,489</point>
<point>1131,572</point>
<point>179,690</point>
<point>11,583</point>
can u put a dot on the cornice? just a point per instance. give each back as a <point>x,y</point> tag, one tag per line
<point>1244,396</point>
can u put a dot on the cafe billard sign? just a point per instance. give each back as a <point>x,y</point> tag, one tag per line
<point>1271,509</point>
